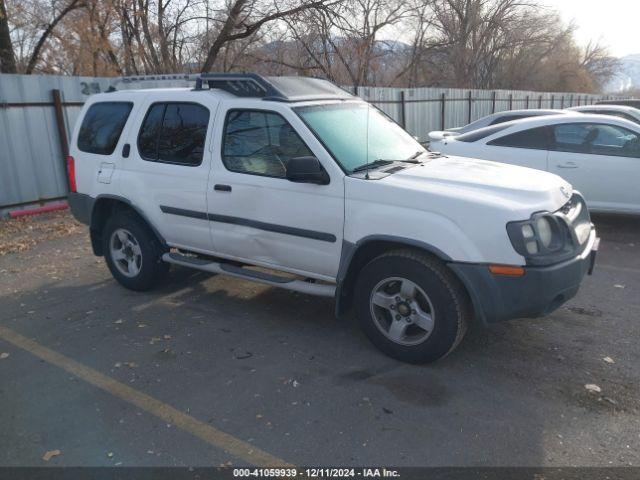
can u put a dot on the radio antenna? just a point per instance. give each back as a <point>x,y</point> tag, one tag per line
<point>366,176</point>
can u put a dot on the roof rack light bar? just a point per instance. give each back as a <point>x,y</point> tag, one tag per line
<point>241,84</point>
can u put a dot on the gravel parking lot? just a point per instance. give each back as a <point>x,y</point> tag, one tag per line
<point>210,370</point>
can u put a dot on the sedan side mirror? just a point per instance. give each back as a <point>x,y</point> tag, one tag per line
<point>306,170</point>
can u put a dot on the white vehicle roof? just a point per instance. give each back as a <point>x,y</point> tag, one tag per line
<point>622,110</point>
<point>285,89</point>
<point>507,128</point>
<point>490,119</point>
<point>612,108</point>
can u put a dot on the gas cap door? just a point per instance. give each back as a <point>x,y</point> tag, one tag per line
<point>106,172</point>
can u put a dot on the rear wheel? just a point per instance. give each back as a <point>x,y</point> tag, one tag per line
<point>412,306</point>
<point>132,252</point>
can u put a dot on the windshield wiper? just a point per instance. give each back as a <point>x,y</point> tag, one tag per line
<point>386,161</point>
<point>375,163</point>
<point>415,156</point>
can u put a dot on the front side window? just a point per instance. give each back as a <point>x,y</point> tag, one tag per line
<point>596,139</point>
<point>102,125</point>
<point>356,133</point>
<point>259,142</point>
<point>532,138</point>
<point>174,133</point>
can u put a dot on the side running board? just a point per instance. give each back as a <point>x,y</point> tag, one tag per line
<point>320,289</point>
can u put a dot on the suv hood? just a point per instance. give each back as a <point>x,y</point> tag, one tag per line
<point>510,186</point>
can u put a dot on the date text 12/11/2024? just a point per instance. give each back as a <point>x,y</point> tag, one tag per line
<point>315,473</point>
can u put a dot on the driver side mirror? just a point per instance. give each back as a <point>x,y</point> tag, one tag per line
<point>306,170</point>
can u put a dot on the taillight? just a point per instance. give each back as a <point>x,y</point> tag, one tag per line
<point>71,173</point>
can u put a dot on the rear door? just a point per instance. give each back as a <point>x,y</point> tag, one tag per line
<point>256,214</point>
<point>166,172</point>
<point>600,160</point>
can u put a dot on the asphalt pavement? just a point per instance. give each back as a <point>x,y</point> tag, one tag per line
<point>211,370</point>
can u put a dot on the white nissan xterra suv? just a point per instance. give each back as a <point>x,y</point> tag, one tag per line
<point>293,182</point>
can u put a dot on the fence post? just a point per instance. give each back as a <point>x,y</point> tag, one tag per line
<point>527,102</point>
<point>571,100</point>
<point>553,101</point>
<point>469,101</point>
<point>443,100</point>
<point>403,113</point>
<point>511,101</point>
<point>493,102</point>
<point>540,101</point>
<point>562,101</point>
<point>62,129</point>
<point>578,100</point>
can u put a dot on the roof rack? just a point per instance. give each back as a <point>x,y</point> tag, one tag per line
<point>253,85</point>
<point>239,84</point>
<point>281,89</point>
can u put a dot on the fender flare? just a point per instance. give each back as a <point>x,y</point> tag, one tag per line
<point>137,210</point>
<point>349,251</point>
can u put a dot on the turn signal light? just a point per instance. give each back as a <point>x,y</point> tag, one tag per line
<point>71,173</point>
<point>506,270</point>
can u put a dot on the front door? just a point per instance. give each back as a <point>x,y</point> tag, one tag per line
<point>257,215</point>
<point>601,161</point>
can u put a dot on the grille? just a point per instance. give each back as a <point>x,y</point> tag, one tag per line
<point>576,214</point>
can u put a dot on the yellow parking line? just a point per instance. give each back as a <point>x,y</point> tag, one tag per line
<point>161,300</point>
<point>204,431</point>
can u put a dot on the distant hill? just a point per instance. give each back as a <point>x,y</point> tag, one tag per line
<point>629,76</point>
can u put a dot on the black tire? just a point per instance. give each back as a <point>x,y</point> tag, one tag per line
<point>152,270</point>
<point>448,298</point>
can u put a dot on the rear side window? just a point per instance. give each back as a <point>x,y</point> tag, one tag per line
<point>475,135</point>
<point>174,133</point>
<point>101,127</point>
<point>533,138</point>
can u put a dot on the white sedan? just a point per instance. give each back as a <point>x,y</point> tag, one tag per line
<point>494,119</point>
<point>622,111</point>
<point>599,155</point>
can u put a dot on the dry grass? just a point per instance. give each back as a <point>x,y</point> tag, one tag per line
<point>22,234</point>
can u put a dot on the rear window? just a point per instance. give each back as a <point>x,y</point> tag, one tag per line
<point>174,133</point>
<point>508,119</point>
<point>481,133</point>
<point>533,138</point>
<point>102,126</point>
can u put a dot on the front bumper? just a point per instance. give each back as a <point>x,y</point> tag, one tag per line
<point>538,292</point>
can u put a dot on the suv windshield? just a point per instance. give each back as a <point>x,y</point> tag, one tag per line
<point>357,133</point>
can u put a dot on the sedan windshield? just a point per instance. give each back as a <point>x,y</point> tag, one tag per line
<point>357,134</point>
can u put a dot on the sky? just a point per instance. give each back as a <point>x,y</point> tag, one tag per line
<point>616,23</point>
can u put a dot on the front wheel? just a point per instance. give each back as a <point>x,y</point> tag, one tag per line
<point>411,306</point>
<point>132,252</point>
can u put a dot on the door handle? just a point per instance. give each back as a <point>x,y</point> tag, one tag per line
<point>567,165</point>
<point>222,188</point>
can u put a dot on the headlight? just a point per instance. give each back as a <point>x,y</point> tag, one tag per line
<point>544,231</point>
<point>543,239</point>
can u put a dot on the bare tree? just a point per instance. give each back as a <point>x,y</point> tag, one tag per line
<point>453,43</point>
<point>48,29</point>
<point>597,61</point>
<point>7,56</point>
<point>246,17</point>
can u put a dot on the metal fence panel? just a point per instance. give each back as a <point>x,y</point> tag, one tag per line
<point>31,163</point>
